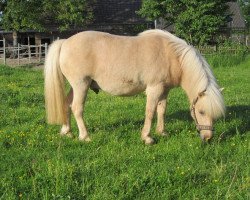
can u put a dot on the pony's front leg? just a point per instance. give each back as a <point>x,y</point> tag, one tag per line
<point>79,96</point>
<point>161,109</point>
<point>66,128</point>
<point>153,96</point>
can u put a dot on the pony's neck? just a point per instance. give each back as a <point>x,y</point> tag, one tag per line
<point>195,77</point>
<point>188,87</point>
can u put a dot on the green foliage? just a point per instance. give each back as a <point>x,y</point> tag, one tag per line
<point>36,163</point>
<point>69,13</point>
<point>34,14</point>
<point>196,21</point>
<point>19,15</point>
<point>2,4</point>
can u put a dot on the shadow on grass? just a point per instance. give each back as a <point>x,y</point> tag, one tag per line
<point>182,115</point>
<point>240,113</point>
<point>118,124</point>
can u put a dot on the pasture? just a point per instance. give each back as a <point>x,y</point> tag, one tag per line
<point>36,163</point>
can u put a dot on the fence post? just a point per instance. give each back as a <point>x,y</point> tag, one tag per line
<point>46,49</point>
<point>18,53</point>
<point>215,48</point>
<point>40,52</point>
<point>29,53</point>
<point>4,52</point>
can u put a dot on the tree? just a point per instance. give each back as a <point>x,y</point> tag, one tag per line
<point>197,21</point>
<point>68,13</point>
<point>22,15</point>
<point>2,4</point>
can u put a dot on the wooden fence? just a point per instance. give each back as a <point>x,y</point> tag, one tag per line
<point>211,50</point>
<point>23,53</point>
<point>27,54</point>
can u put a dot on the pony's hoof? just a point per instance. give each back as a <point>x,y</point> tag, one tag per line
<point>163,134</point>
<point>68,134</point>
<point>149,141</point>
<point>85,139</point>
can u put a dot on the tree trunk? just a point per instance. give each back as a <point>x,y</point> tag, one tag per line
<point>38,40</point>
<point>15,44</point>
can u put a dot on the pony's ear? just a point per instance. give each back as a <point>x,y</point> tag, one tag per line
<point>221,89</point>
<point>201,94</point>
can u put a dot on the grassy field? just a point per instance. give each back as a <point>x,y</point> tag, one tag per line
<point>36,163</point>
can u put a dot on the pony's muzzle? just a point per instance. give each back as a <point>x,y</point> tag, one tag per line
<point>205,135</point>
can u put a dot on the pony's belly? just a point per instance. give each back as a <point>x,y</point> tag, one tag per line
<point>122,88</point>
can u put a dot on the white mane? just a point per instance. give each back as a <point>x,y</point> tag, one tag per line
<point>195,66</point>
<point>164,34</point>
<point>198,72</point>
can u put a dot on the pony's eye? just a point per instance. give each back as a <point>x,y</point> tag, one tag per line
<point>201,112</point>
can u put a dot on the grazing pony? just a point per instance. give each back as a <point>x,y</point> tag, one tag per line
<point>154,61</point>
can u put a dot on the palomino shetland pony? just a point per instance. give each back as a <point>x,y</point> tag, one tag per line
<point>154,61</point>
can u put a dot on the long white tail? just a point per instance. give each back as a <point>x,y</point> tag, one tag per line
<point>54,86</point>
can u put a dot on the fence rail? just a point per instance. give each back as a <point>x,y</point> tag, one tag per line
<point>23,52</point>
<point>211,50</point>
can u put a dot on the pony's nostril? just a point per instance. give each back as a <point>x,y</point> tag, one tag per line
<point>205,137</point>
<point>202,137</point>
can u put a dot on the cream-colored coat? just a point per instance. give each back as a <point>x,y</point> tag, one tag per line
<point>154,61</point>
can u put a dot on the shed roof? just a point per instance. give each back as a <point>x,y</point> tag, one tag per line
<point>238,21</point>
<point>117,12</point>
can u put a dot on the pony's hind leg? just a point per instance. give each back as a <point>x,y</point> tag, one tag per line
<point>161,110</point>
<point>80,90</point>
<point>153,95</point>
<point>66,128</point>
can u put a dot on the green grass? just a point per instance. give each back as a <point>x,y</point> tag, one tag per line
<point>223,60</point>
<point>36,163</point>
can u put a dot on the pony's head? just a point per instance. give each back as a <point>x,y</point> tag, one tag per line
<point>205,108</point>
